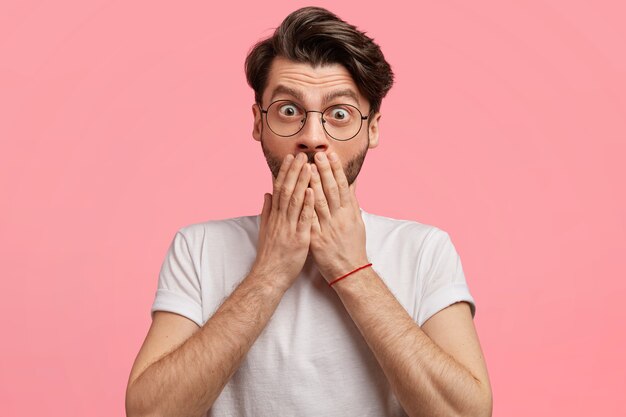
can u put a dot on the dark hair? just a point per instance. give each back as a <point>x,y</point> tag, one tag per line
<point>316,36</point>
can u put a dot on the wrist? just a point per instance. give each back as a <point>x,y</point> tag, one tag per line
<point>273,278</point>
<point>356,284</point>
<point>345,268</point>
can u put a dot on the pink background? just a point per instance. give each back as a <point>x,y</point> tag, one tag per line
<point>121,122</point>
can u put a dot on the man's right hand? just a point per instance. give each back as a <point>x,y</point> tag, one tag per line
<point>177,373</point>
<point>285,230</point>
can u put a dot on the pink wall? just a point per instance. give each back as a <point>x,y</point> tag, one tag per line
<point>120,123</point>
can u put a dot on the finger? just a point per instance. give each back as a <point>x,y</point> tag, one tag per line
<point>265,213</point>
<point>328,181</point>
<point>289,183</point>
<point>278,183</point>
<point>321,205</point>
<point>316,228</point>
<point>340,178</point>
<point>355,202</point>
<point>297,197</point>
<point>267,207</point>
<point>306,216</point>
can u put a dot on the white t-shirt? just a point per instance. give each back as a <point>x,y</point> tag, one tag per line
<point>311,359</point>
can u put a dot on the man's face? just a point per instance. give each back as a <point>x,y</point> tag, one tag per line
<point>314,89</point>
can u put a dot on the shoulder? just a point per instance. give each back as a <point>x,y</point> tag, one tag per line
<point>405,229</point>
<point>220,231</point>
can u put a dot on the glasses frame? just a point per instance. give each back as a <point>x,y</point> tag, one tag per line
<point>306,116</point>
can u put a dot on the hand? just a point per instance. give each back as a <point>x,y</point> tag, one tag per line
<point>338,231</point>
<point>285,230</point>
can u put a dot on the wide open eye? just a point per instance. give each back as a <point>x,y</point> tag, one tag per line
<point>288,110</point>
<point>340,114</point>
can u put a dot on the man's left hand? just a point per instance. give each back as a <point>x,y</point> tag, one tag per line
<point>337,231</point>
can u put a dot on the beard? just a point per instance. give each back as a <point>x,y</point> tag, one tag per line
<point>351,169</point>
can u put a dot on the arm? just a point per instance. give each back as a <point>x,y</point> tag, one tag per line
<point>428,379</point>
<point>188,380</point>
<point>442,376</point>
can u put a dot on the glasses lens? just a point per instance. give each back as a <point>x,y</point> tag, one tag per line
<point>342,121</point>
<point>285,118</point>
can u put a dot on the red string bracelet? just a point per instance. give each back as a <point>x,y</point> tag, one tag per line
<point>343,276</point>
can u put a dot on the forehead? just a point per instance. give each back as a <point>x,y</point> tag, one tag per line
<point>313,83</point>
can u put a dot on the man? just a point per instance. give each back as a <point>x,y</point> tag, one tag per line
<point>315,307</point>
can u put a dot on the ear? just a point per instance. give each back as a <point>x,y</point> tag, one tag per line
<point>257,127</point>
<point>373,130</point>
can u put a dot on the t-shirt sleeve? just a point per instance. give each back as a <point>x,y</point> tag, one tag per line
<point>444,280</point>
<point>178,288</point>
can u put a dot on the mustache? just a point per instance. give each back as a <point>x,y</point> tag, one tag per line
<point>310,157</point>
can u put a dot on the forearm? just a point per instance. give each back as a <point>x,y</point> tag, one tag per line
<point>426,380</point>
<point>187,381</point>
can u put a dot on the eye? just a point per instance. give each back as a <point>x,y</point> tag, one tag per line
<point>289,110</point>
<point>339,114</point>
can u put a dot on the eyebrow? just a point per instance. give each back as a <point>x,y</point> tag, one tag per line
<point>342,93</point>
<point>283,89</point>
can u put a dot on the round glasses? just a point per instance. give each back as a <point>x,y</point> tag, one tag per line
<point>340,121</point>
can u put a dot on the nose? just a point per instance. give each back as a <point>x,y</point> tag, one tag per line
<point>312,137</point>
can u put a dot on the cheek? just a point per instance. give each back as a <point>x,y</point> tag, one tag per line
<point>360,145</point>
<point>274,149</point>
<point>278,150</point>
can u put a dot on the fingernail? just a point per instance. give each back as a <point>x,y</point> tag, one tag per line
<point>332,156</point>
<point>321,156</point>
